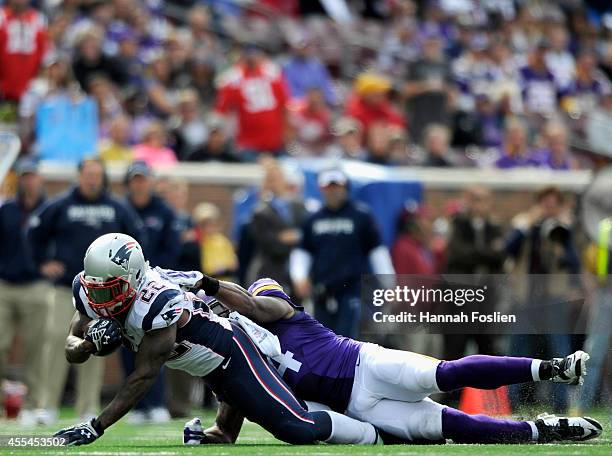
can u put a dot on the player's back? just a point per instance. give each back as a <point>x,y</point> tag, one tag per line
<point>316,363</point>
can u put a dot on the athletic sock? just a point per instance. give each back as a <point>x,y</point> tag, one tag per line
<point>484,372</point>
<point>348,430</point>
<point>464,428</point>
<point>545,370</point>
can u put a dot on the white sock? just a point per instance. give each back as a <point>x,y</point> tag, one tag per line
<point>535,369</point>
<point>535,434</point>
<point>349,430</point>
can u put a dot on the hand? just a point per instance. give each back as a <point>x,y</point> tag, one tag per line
<point>52,269</point>
<point>81,434</point>
<point>302,288</point>
<point>189,236</point>
<point>290,236</point>
<point>105,334</point>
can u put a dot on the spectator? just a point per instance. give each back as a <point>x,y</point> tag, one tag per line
<point>349,142</point>
<point>559,59</point>
<point>90,60</point>
<point>163,249</point>
<point>116,148</point>
<point>190,132</point>
<point>427,89</point>
<point>538,85</point>
<point>152,150</point>
<point>23,307</point>
<point>541,245</point>
<point>23,43</point>
<point>255,89</point>
<point>162,95</point>
<point>515,151</point>
<point>369,104</point>
<point>399,48</point>
<point>340,229</point>
<point>202,31</point>
<point>437,146</point>
<point>304,72</point>
<point>309,119</point>
<point>218,147</point>
<point>277,221</point>
<point>59,233</point>
<point>106,97</point>
<point>475,248</point>
<point>175,192</point>
<point>583,93</point>
<point>411,251</point>
<point>599,127</point>
<point>379,145</point>
<point>202,72</point>
<point>218,256</point>
<point>556,154</point>
<point>54,80</point>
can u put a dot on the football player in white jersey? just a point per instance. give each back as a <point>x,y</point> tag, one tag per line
<point>118,296</point>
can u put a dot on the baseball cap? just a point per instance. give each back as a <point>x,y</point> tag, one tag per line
<point>332,176</point>
<point>26,165</point>
<point>138,168</point>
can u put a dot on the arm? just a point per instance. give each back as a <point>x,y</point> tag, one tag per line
<point>227,425</point>
<point>155,348</point>
<point>78,349</point>
<point>260,308</point>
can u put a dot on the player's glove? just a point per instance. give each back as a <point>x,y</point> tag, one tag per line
<point>81,434</point>
<point>105,334</point>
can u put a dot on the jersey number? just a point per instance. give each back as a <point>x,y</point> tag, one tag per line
<point>152,290</point>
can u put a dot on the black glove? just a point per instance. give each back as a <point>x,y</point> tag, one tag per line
<point>105,334</point>
<point>81,434</point>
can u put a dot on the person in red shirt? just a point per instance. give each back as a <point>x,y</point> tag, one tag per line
<point>256,91</point>
<point>23,41</point>
<point>411,252</point>
<point>309,120</point>
<point>370,104</point>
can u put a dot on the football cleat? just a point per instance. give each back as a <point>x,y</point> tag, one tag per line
<point>552,428</point>
<point>193,433</point>
<point>571,369</point>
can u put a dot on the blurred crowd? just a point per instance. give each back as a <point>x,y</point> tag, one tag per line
<point>498,83</point>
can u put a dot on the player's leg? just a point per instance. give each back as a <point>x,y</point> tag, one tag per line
<point>7,326</point>
<point>427,420</point>
<point>251,385</point>
<point>407,376</point>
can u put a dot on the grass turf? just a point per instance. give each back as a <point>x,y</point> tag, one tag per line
<point>165,440</point>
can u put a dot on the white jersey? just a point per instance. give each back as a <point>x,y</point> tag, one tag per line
<point>202,343</point>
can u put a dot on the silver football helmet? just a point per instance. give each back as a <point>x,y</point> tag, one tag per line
<point>115,268</point>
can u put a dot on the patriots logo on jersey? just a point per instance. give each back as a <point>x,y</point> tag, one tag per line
<point>170,315</point>
<point>122,256</point>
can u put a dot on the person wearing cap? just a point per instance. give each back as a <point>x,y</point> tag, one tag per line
<point>59,233</point>
<point>163,247</point>
<point>349,142</point>
<point>370,103</point>
<point>19,283</point>
<point>338,242</point>
<point>217,147</point>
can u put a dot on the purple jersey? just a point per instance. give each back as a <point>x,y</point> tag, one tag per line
<point>317,364</point>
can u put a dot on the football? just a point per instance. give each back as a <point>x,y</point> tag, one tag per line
<point>105,334</point>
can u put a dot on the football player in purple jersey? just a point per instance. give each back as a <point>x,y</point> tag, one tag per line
<point>389,388</point>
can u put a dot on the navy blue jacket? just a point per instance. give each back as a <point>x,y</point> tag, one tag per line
<point>339,242</point>
<point>16,264</point>
<point>163,245</point>
<point>63,228</point>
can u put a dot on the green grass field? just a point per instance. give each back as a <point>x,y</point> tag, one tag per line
<point>165,440</point>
